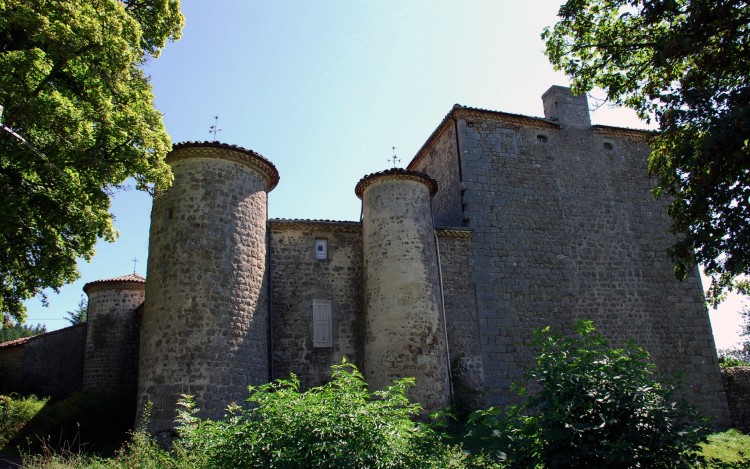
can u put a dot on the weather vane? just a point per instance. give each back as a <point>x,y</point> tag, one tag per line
<point>135,261</point>
<point>215,128</point>
<point>394,159</point>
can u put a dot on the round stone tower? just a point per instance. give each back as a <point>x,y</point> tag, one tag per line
<point>112,333</point>
<point>404,333</point>
<point>204,330</point>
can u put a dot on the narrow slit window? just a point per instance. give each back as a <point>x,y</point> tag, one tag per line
<point>321,249</point>
<point>322,323</point>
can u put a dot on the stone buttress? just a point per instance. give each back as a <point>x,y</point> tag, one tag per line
<point>205,323</point>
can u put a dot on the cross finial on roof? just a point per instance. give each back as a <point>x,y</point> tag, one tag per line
<point>215,128</point>
<point>135,261</point>
<point>394,158</point>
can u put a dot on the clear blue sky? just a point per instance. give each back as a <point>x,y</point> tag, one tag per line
<point>325,89</point>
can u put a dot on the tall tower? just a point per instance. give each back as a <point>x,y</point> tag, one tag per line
<point>112,332</point>
<point>404,333</point>
<point>204,330</point>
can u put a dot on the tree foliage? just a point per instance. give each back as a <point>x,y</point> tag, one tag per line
<point>339,424</point>
<point>588,404</point>
<point>16,331</point>
<point>683,63</point>
<point>80,314</point>
<point>78,120</point>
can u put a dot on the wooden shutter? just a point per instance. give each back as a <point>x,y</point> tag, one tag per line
<point>322,323</point>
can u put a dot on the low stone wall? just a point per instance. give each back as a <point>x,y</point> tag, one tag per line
<point>50,364</point>
<point>737,385</point>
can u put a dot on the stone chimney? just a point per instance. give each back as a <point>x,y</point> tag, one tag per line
<point>561,106</point>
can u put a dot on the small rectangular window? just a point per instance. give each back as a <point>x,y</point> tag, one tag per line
<point>322,324</point>
<point>321,249</point>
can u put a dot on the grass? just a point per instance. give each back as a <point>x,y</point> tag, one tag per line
<point>727,449</point>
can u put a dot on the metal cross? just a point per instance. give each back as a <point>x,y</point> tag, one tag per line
<point>215,128</point>
<point>135,261</point>
<point>394,159</point>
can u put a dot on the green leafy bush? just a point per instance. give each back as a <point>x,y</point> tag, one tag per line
<point>15,414</point>
<point>728,362</point>
<point>339,424</point>
<point>590,405</point>
<point>94,420</point>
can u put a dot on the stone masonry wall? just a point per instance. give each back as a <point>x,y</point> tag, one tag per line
<point>737,385</point>
<point>460,303</point>
<point>11,355</point>
<point>298,278</point>
<point>46,365</point>
<point>441,164</point>
<point>565,227</point>
<point>204,330</point>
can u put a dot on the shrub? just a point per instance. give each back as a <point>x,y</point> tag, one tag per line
<point>92,419</point>
<point>339,424</point>
<point>726,361</point>
<point>15,414</point>
<point>588,404</point>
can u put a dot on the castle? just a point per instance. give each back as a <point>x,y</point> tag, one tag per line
<point>501,224</point>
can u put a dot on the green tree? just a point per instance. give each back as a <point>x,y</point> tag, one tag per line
<point>683,63</point>
<point>78,120</point>
<point>588,404</point>
<point>80,314</point>
<point>17,331</point>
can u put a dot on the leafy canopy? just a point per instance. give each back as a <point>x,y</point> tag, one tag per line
<point>590,405</point>
<point>78,119</point>
<point>683,63</point>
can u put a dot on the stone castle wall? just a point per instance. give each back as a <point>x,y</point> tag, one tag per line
<point>565,227</point>
<point>45,365</point>
<point>737,384</point>
<point>297,279</point>
<point>460,303</point>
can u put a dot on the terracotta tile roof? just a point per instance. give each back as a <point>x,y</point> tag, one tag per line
<point>261,162</point>
<point>279,224</point>
<point>129,278</point>
<point>13,343</point>
<point>397,173</point>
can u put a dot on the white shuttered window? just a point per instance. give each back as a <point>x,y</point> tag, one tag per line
<point>322,324</point>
